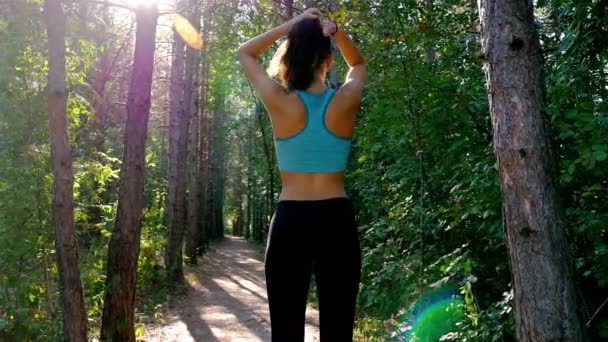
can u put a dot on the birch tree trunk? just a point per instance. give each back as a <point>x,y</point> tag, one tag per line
<point>535,227</point>
<point>66,244</point>
<point>118,312</point>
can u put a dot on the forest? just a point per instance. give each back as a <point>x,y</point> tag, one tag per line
<point>131,144</point>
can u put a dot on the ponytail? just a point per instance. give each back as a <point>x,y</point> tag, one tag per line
<point>300,57</point>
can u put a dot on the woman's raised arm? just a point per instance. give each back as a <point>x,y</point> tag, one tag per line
<point>248,54</point>
<point>355,78</point>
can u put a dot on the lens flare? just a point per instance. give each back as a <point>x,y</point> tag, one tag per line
<point>435,314</point>
<point>137,3</point>
<point>189,33</point>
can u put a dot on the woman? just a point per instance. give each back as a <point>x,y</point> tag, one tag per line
<point>313,228</point>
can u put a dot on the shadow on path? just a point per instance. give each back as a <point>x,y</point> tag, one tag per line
<point>227,300</point>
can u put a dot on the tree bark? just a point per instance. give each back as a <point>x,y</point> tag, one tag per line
<point>254,216</point>
<point>289,8</point>
<point>178,145</point>
<point>219,118</point>
<point>102,77</point>
<point>204,171</point>
<point>535,227</point>
<point>249,187</point>
<point>216,170</point>
<point>191,97</point>
<point>66,244</point>
<point>268,154</point>
<point>204,151</point>
<point>118,312</point>
<point>212,160</point>
<point>287,5</point>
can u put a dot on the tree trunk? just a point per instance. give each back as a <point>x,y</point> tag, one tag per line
<point>257,215</point>
<point>254,216</point>
<point>535,228</point>
<point>288,8</point>
<point>118,312</point>
<point>204,152</point>
<point>268,154</point>
<point>247,218</point>
<point>220,116</point>
<point>66,244</point>
<point>47,284</point>
<point>216,164</point>
<point>211,160</point>
<point>191,96</point>
<point>279,5</point>
<point>102,77</point>
<point>178,145</point>
<point>204,166</point>
<point>250,177</point>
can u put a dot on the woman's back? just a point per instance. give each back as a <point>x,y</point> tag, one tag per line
<point>312,140</point>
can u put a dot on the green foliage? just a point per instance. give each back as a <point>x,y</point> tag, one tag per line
<point>26,250</point>
<point>29,295</point>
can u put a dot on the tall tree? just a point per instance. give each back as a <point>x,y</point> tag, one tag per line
<point>534,222</point>
<point>178,146</point>
<point>102,77</point>
<point>123,253</point>
<point>217,168</point>
<point>268,152</point>
<point>204,168</point>
<point>191,97</point>
<point>66,244</point>
<point>204,141</point>
<point>203,148</point>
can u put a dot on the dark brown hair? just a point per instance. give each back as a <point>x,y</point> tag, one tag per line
<point>301,55</point>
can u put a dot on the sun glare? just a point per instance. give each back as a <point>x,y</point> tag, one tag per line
<point>189,33</point>
<point>137,3</point>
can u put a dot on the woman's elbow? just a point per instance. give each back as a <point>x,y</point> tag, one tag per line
<point>241,54</point>
<point>241,49</point>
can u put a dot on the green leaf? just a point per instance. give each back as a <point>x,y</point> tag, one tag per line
<point>600,155</point>
<point>571,168</point>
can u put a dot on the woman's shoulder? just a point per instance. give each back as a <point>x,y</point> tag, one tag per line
<point>287,103</point>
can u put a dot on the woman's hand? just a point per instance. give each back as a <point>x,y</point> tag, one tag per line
<point>329,28</point>
<point>311,13</point>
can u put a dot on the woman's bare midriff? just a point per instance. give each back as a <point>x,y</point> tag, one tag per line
<point>311,186</point>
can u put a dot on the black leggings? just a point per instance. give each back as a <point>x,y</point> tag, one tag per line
<point>320,237</point>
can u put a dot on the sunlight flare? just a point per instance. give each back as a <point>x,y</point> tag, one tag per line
<point>138,3</point>
<point>189,33</point>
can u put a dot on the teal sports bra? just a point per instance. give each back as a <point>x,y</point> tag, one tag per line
<point>314,148</point>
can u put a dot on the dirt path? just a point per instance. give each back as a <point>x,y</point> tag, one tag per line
<point>226,301</point>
